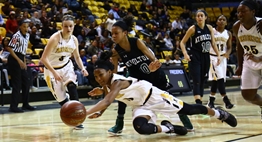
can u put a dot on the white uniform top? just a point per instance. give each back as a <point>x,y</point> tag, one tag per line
<point>61,54</point>
<point>136,93</point>
<point>221,41</point>
<point>251,41</point>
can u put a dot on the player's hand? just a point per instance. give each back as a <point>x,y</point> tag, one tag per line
<point>96,92</point>
<point>153,66</point>
<point>239,70</point>
<point>252,57</point>
<point>95,115</point>
<point>57,77</point>
<point>218,60</point>
<point>187,57</point>
<point>22,64</point>
<point>226,56</point>
<point>84,72</point>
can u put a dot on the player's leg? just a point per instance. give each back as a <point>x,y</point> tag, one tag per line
<point>220,114</point>
<point>250,82</point>
<point>144,124</point>
<point>117,129</point>
<point>222,90</point>
<point>212,97</point>
<point>213,76</point>
<point>195,72</point>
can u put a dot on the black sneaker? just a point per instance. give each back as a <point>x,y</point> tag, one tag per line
<point>211,102</point>
<point>79,127</point>
<point>227,117</point>
<point>228,104</point>
<point>118,128</point>
<point>28,107</point>
<point>180,130</point>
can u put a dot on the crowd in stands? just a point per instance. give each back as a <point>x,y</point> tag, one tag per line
<point>155,23</point>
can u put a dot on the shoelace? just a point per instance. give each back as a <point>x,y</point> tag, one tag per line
<point>223,115</point>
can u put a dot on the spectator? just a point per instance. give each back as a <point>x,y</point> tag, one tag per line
<point>110,21</point>
<point>35,19</point>
<point>81,37</point>
<point>11,24</point>
<point>32,73</point>
<point>133,10</point>
<point>77,28</point>
<point>1,20</point>
<point>168,41</point>
<point>35,39</point>
<point>114,12</point>
<point>6,8</point>
<point>90,70</point>
<point>93,49</point>
<point>177,59</point>
<point>3,59</point>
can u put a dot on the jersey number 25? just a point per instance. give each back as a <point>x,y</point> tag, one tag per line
<point>251,48</point>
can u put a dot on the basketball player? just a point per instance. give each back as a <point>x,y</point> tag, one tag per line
<point>140,62</point>
<point>202,37</point>
<point>59,71</point>
<point>146,100</point>
<point>217,73</point>
<point>247,31</point>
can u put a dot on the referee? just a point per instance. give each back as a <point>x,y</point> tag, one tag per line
<point>18,69</point>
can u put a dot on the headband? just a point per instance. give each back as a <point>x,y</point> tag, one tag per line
<point>249,4</point>
<point>201,10</point>
<point>101,66</point>
<point>121,24</point>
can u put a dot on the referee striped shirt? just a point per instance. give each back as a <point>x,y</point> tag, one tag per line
<point>19,42</point>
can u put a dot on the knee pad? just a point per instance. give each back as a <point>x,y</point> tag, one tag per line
<point>142,126</point>
<point>197,109</point>
<point>221,86</point>
<point>72,91</point>
<point>214,86</point>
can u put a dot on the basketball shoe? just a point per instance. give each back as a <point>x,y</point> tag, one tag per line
<point>79,127</point>
<point>118,128</point>
<point>227,117</point>
<point>211,102</point>
<point>180,130</point>
<point>227,102</point>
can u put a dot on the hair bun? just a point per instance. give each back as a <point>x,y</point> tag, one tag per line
<point>106,55</point>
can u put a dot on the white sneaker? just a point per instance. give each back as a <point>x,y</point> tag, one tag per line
<point>33,88</point>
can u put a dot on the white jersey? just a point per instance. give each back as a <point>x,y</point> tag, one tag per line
<point>61,54</point>
<point>221,41</point>
<point>251,41</point>
<point>136,93</point>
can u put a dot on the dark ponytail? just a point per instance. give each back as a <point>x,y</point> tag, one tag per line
<point>104,61</point>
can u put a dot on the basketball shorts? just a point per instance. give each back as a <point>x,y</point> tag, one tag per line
<point>250,78</point>
<point>217,72</point>
<point>159,102</point>
<point>58,88</point>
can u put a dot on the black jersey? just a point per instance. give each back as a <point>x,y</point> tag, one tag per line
<point>137,63</point>
<point>201,40</point>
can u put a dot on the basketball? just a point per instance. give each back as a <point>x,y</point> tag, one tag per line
<point>73,113</point>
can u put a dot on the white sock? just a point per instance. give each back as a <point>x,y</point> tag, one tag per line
<point>217,114</point>
<point>164,128</point>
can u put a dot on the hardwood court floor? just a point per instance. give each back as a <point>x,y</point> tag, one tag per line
<point>45,125</point>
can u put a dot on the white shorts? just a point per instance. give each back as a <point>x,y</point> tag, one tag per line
<point>217,72</point>
<point>159,102</point>
<point>59,88</point>
<point>250,78</point>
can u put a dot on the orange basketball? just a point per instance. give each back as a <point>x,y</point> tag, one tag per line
<point>73,113</point>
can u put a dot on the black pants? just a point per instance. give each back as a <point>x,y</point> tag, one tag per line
<point>198,70</point>
<point>19,78</point>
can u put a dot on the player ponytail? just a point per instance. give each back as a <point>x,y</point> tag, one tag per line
<point>104,61</point>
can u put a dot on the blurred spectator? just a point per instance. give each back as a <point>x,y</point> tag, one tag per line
<point>77,28</point>
<point>92,33</point>
<point>1,20</point>
<point>86,12</point>
<point>35,19</point>
<point>93,49</point>
<point>168,41</point>
<point>35,40</point>
<point>114,13</point>
<point>100,29</point>
<point>106,6</point>
<point>133,10</point>
<point>122,12</point>
<point>44,19</point>
<point>143,6</point>
<point>177,59</point>
<point>105,39</point>
<point>177,26</point>
<point>52,13</point>
<point>90,69</point>
<point>82,36</point>
<point>11,24</point>
<point>6,8</point>
<point>3,59</point>
<point>32,73</point>
<point>110,21</point>
<point>80,78</point>
<point>83,56</point>
<point>168,60</point>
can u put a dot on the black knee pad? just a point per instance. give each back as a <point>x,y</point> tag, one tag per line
<point>221,86</point>
<point>193,109</point>
<point>142,126</point>
<point>214,86</point>
<point>72,91</point>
